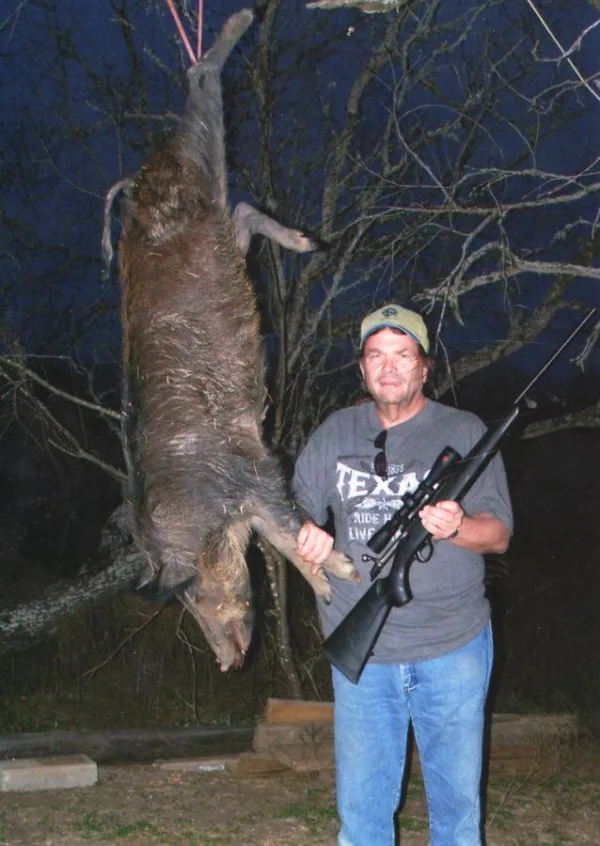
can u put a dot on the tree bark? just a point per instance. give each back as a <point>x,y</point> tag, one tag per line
<point>26,623</point>
<point>276,573</point>
<point>364,5</point>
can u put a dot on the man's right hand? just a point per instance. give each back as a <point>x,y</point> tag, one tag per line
<point>314,545</point>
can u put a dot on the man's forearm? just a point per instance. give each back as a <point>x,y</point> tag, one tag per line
<point>482,533</point>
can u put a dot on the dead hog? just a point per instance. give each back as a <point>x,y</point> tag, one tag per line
<point>201,478</point>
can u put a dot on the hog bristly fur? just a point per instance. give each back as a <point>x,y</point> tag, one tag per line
<point>201,479</point>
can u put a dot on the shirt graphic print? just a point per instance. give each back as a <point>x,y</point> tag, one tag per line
<point>367,500</point>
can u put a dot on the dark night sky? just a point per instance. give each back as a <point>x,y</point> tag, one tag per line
<point>55,185</point>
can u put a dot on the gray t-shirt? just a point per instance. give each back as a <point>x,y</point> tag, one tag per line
<point>335,471</point>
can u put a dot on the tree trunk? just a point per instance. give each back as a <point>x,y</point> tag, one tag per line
<point>276,573</point>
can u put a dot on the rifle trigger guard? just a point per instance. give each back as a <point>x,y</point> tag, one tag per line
<point>426,551</point>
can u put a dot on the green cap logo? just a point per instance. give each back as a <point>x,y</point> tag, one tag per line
<point>395,317</point>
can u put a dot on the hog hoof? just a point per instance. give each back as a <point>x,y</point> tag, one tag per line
<point>341,566</point>
<point>320,584</point>
<point>300,243</point>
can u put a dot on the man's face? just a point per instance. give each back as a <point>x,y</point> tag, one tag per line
<point>393,369</point>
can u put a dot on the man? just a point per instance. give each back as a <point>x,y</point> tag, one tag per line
<point>432,662</point>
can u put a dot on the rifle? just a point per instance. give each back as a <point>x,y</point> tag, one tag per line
<point>405,539</point>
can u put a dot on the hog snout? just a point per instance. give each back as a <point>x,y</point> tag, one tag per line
<point>227,626</point>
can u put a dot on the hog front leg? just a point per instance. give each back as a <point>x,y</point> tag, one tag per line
<point>285,541</point>
<point>249,221</point>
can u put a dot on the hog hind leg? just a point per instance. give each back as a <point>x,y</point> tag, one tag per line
<point>220,598</point>
<point>235,26</point>
<point>201,132</point>
<point>249,221</point>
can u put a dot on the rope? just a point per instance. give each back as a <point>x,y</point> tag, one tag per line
<point>199,18</point>
<point>194,58</point>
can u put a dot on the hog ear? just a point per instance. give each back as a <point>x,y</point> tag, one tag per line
<point>175,580</point>
<point>176,571</point>
<point>162,590</point>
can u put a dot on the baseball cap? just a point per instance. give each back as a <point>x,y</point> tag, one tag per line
<point>395,317</point>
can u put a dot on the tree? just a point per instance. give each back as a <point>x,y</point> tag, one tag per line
<point>433,143</point>
<point>372,6</point>
<point>437,157</point>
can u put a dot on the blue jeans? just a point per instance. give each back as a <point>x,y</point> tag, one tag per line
<point>445,699</point>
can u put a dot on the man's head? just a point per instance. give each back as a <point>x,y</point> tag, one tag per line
<point>395,317</point>
<point>394,361</point>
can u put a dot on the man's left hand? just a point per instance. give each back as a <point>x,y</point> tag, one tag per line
<point>442,519</point>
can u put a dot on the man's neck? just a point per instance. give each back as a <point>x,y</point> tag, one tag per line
<point>392,414</point>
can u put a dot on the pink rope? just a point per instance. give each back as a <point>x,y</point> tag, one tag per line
<point>181,31</point>
<point>199,50</point>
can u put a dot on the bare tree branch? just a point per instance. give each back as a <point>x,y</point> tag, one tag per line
<point>586,418</point>
<point>25,624</point>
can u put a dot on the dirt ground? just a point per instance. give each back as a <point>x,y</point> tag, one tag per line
<point>149,804</point>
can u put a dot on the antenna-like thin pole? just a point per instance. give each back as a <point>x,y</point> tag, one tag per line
<point>556,353</point>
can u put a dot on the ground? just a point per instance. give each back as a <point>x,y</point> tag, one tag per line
<point>556,804</point>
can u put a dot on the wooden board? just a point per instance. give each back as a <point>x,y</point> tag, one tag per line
<point>305,758</point>
<point>526,729</point>
<point>297,711</point>
<point>130,745</point>
<point>299,734</point>
<point>285,734</point>
<point>506,729</point>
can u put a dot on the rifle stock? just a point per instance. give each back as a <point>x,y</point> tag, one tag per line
<point>350,645</point>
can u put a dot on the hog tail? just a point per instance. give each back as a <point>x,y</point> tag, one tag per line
<point>107,249</point>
